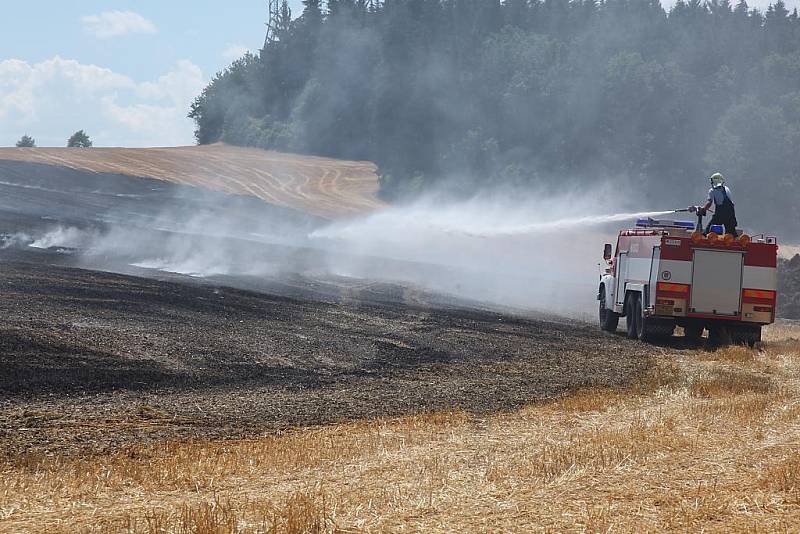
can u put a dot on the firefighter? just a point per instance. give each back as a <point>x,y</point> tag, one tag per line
<point>719,196</point>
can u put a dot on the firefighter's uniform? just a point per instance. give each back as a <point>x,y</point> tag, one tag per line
<point>724,208</point>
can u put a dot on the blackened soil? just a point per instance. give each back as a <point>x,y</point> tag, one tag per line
<point>92,361</point>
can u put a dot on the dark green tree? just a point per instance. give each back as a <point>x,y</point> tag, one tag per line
<point>284,20</point>
<point>79,140</point>
<point>312,13</point>
<point>26,141</point>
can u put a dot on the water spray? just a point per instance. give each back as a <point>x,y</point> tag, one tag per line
<point>557,225</point>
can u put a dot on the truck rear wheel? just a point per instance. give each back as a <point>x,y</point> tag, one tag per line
<point>693,332</point>
<point>649,329</point>
<point>748,336</point>
<point>608,319</point>
<point>719,335</point>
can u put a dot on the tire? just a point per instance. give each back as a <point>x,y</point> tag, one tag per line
<point>608,319</point>
<point>749,337</point>
<point>631,317</point>
<point>719,336</point>
<point>641,322</point>
<point>643,328</point>
<point>647,328</point>
<point>693,332</point>
<point>661,331</point>
<point>755,338</point>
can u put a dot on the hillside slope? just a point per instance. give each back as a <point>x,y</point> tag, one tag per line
<point>320,186</point>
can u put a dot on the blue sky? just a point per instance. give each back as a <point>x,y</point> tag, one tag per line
<point>125,72</point>
<point>197,31</point>
<point>143,62</point>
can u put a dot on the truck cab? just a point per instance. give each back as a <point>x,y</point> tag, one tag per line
<point>664,274</point>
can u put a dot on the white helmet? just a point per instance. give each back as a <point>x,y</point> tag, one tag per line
<point>717,179</point>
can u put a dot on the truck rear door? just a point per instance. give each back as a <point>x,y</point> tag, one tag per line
<point>716,282</point>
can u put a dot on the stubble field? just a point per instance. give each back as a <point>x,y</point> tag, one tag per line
<point>702,440</point>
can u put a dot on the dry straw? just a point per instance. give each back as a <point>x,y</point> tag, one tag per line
<point>707,442</point>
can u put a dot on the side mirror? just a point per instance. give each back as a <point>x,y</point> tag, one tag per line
<point>607,252</point>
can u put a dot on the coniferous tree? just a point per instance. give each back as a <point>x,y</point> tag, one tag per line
<point>284,20</point>
<point>26,141</point>
<point>79,139</point>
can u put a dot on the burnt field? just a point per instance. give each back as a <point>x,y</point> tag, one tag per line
<point>103,346</point>
<point>94,361</point>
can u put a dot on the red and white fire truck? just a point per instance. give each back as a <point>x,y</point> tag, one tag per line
<point>665,274</point>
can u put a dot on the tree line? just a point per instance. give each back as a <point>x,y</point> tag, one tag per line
<point>465,95</point>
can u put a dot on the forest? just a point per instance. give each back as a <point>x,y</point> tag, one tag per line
<point>465,96</point>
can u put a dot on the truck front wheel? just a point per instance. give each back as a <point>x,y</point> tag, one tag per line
<point>643,326</point>
<point>608,319</point>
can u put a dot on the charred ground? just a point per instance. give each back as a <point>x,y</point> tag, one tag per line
<point>93,361</point>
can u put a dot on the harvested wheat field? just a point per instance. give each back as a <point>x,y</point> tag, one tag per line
<point>320,186</point>
<point>706,440</point>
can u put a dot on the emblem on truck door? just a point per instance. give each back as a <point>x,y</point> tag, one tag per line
<point>666,275</point>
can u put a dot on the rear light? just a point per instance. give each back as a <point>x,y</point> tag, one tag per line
<point>672,288</point>
<point>665,302</point>
<point>759,294</point>
<point>767,309</point>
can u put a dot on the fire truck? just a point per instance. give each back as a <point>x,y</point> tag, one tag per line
<point>665,274</point>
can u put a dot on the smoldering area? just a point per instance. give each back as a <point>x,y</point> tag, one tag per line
<point>532,251</point>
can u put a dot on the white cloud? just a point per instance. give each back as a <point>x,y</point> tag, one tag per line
<point>234,51</point>
<point>116,23</point>
<point>22,84</point>
<point>160,113</point>
<point>53,98</point>
<point>184,81</point>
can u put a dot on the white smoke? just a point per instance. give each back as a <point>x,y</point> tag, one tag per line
<point>20,239</point>
<point>537,252</point>
<point>61,236</point>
